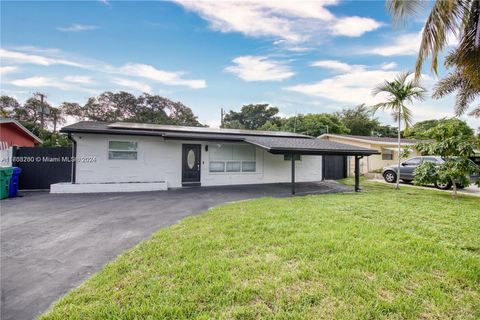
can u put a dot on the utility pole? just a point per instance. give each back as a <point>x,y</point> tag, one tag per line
<point>222,114</point>
<point>295,123</point>
<point>42,108</point>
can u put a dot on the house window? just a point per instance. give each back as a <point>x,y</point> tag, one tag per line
<point>217,166</point>
<point>122,150</point>
<point>233,166</point>
<point>387,154</point>
<point>232,158</point>
<point>248,166</point>
<point>288,157</point>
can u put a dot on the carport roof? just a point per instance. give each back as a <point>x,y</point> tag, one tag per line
<point>273,142</point>
<point>307,146</point>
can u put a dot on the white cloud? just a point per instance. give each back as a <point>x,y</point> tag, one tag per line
<point>41,82</point>
<point>7,69</point>
<point>294,21</point>
<point>132,84</point>
<point>79,79</point>
<point>403,45</point>
<point>165,77</point>
<point>337,65</point>
<point>49,82</point>
<point>354,26</point>
<point>353,86</point>
<point>49,57</point>
<point>21,57</point>
<point>389,66</point>
<point>258,68</point>
<point>75,27</point>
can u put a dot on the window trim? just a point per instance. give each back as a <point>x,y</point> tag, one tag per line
<point>388,152</point>
<point>225,162</point>
<point>120,150</point>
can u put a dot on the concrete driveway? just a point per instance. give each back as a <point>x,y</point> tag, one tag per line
<point>52,243</point>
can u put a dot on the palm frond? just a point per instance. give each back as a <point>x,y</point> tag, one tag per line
<point>452,82</point>
<point>466,91</point>
<point>443,20</point>
<point>383,87</point>
<point>401,9</point>
<point>384,106</point>
<point>475,112</point>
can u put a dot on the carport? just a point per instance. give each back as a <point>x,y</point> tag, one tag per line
<point>304,146</point>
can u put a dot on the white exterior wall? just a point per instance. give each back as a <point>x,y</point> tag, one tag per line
<point>161,160</point>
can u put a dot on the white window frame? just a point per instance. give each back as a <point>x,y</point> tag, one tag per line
<point>225,162</point>
<point>389,153</point>
<point>123,151</point>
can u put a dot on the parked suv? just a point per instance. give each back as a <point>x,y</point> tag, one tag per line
<point>407,170</point>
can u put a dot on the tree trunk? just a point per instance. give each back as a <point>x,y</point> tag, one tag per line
<point>398,170</point>
<point>454,187</point>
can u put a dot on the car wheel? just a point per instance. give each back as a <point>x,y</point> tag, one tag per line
<point>390,176</point>
<point>443,186</point>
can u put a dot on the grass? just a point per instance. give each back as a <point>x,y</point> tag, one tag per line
<point>379,254</point>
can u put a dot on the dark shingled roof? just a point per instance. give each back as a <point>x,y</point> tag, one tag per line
<point>374,138</point>
<point>204,130</point>
<point>170,131</point>
<point>273,142</point>
<point>307,146</point>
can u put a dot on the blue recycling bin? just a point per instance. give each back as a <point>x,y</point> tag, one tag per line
<point>13,185</point>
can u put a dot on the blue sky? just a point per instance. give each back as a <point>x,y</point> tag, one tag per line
<point>304,57</point>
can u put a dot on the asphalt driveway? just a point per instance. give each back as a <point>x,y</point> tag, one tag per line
<point>50,243</point>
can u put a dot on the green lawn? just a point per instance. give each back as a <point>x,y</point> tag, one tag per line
<point>379,254</point>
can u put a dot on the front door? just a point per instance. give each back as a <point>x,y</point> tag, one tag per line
<point>191,164</point>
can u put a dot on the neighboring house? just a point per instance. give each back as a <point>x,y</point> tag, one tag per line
<point>13,134</point>
<point>135,157</point>
<point>387,148</point>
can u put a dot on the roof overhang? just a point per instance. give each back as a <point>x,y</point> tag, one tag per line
<point>272,143</point>
<point>322,152</point>
<point>366,140</point>
<point>22,128</point>
<point>309,147</point>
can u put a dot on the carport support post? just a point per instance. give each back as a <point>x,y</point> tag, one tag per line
<point>357,173</point>
<point>293,173</point>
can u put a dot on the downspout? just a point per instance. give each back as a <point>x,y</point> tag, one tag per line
<point>74,158</point>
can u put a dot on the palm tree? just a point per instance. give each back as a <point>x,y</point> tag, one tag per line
<point>467,90</point>
<point>458,17</point>
<point>399,92</point>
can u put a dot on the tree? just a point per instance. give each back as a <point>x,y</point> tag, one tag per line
<point>385,131</point>
<point>399,92</point>
<point>419,129</point>
<point>56,117</point>
<point>454,147</point>
<point>123,106</point>
<point>8,106</point>
<point>315,124</point>
<point>460,18</point>
<point>358,120</point>
<point>251,117</point>
<point>312,124</point>
<point>423,129</point>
